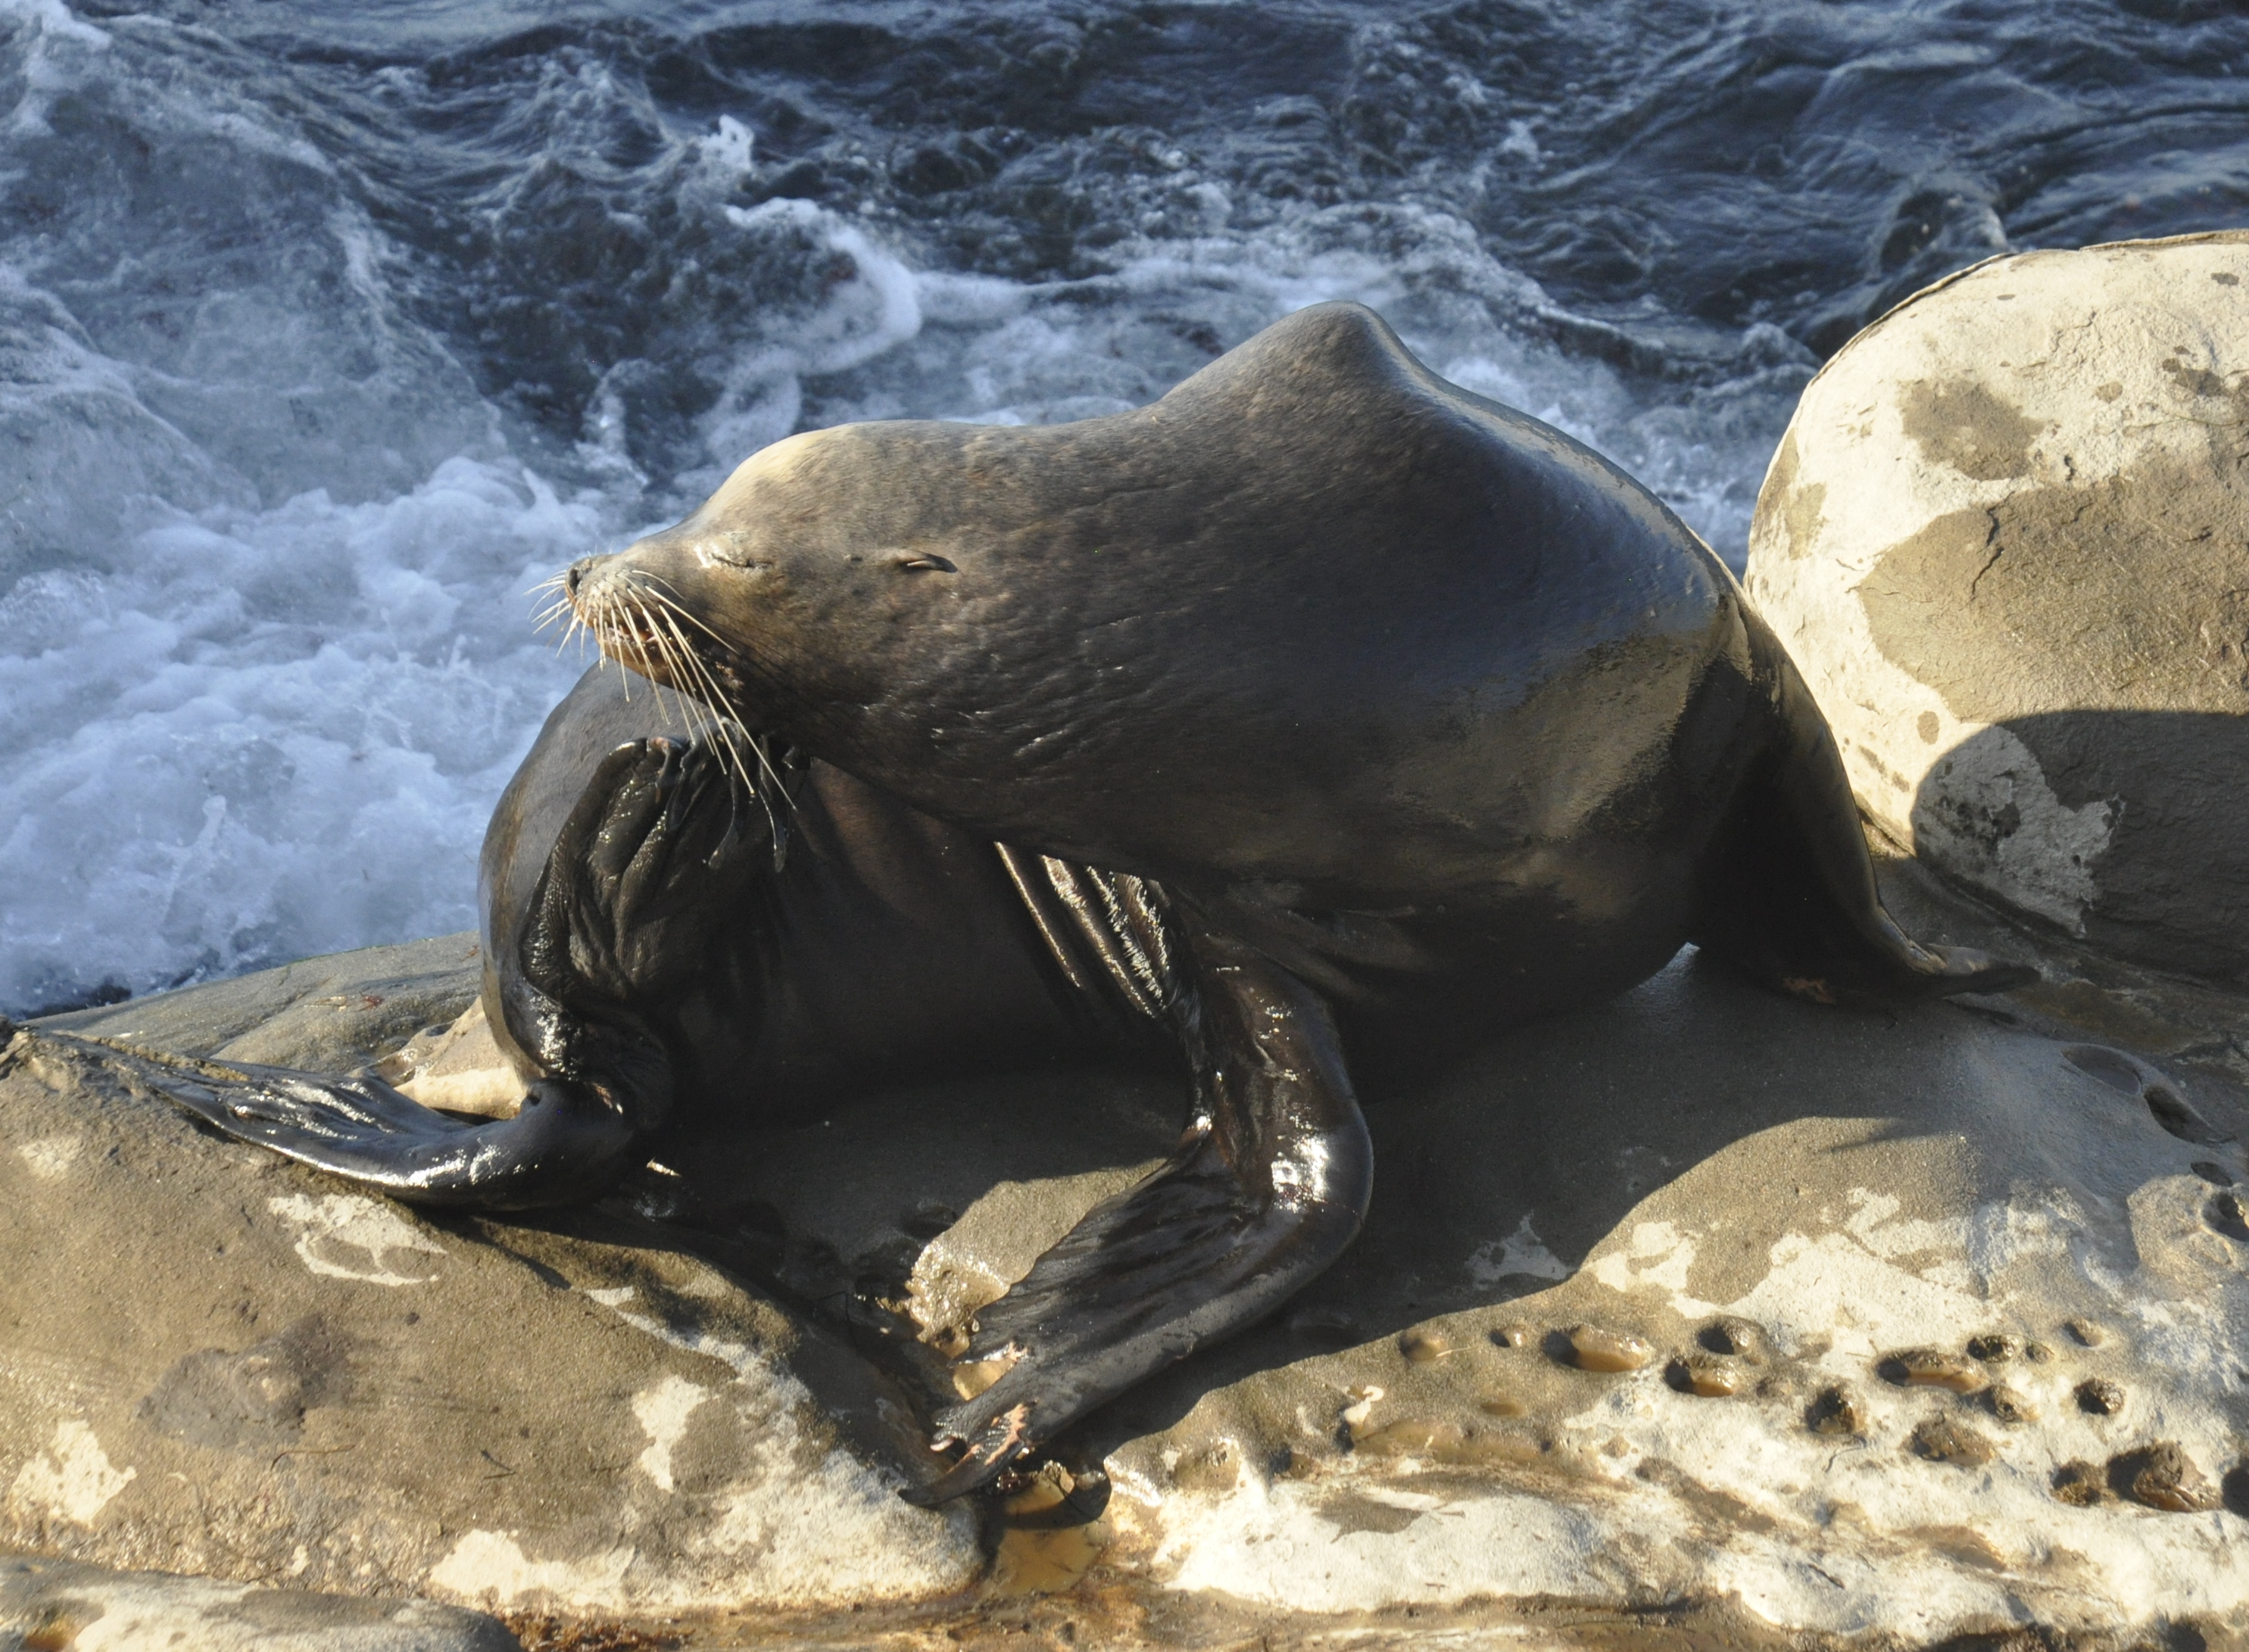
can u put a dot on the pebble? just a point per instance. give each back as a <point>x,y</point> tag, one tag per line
<point>2079,1485</point>
<point>1933,1368</point>
<point>2085,1333</point>
<point>1503,1405</point>
<point>2163,1476</point>
<point>2099,1397</point>
<point>1706,1375</point>
<point>1997,1348</point>
<point>1512,1336</point>
<point>1944,1440</point>
<point>1424,1346</point>
<point>1835,1411</point>
<point>1608,1351</point>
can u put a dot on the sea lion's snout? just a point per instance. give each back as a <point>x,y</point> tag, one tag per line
<point>601,597</point>
<point>633,614</point>
<point>597,586</point>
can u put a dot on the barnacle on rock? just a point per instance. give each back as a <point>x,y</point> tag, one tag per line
<point>1738,1339</point>
<point>2162,1475</point>
<point>2080,1484</point>
<point>2008,1404</point>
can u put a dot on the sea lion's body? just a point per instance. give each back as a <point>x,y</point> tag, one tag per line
<point>1318,719</point>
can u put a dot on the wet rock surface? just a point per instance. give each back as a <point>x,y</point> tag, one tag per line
<point>2006,538</point>
<point>49,1606</point>
<point>1777,1320</point>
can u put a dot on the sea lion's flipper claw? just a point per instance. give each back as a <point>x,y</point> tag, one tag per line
<point>1266,1189</point>
<point>999,1442</point>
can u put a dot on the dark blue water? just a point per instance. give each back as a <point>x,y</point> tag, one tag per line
<point>325,331</point>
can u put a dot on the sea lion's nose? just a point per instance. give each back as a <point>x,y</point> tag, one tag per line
<point>575,576</point>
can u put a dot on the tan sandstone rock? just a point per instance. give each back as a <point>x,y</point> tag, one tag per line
<point>1875,1266</point>
<point>2006,540</point>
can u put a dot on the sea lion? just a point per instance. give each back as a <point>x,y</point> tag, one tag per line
<point>1310,723</point>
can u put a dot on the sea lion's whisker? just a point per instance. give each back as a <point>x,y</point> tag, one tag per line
<point>673,604</point>
<point>678,664</point>
<point>697,670</point>
<point>724,720</point>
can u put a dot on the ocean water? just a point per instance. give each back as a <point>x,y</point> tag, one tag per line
<point>326,331</point>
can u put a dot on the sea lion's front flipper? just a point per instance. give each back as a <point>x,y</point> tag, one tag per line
<point>646,855</point>
<point>1267,1187</point>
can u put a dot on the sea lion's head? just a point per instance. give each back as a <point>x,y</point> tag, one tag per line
<point>799,590</point>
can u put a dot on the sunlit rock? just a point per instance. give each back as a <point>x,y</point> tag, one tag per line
<point>57,1604</point>
<point>1801,1324</point>
<point>2006,540</point>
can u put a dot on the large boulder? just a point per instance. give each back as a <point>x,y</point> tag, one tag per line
<point>2006,540</point>
<point>1788,1326</point>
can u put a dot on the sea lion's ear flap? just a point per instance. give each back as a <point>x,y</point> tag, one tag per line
<point>1267,1187</point>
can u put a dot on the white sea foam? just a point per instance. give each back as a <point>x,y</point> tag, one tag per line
<point>200,778</point>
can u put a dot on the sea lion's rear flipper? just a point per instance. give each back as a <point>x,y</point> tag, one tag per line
<point>566,1143</point>
<point>1267,1187</point>
<point>1786,892</point>
<point>644,857</point>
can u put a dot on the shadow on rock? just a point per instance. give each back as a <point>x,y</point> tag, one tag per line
<point>2119,828</point>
